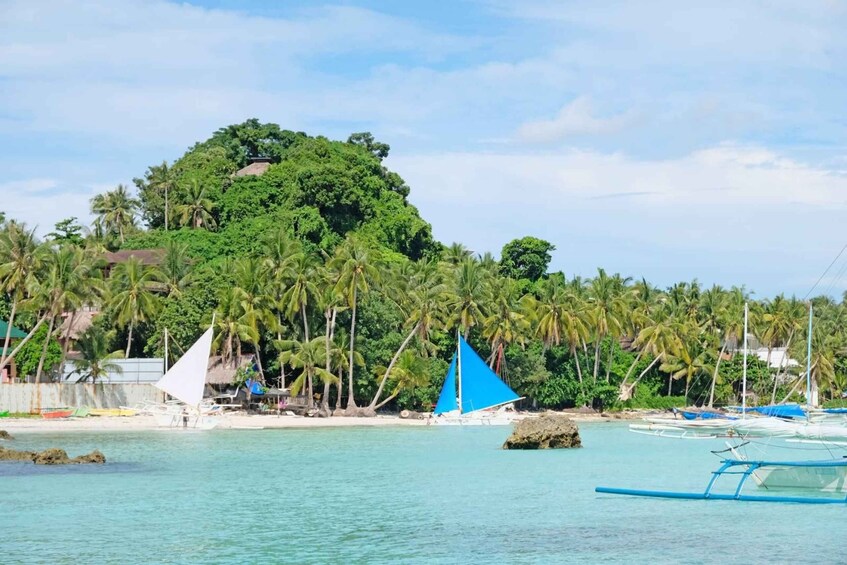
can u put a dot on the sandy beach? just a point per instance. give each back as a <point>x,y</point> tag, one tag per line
<point>242,421</point>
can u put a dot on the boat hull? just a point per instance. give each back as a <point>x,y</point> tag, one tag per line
<point>56,414</point>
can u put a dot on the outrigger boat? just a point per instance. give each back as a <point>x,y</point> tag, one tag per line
<point>471,391</point>
<point>762,472</point>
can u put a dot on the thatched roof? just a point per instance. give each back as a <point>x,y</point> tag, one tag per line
<point>146,256</point>
<point>257,167</point>
<point>218,374</point>
<point>81,321</point>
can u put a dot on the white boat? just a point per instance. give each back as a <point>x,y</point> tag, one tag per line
<point>186,381</point>
<point>472,395</point>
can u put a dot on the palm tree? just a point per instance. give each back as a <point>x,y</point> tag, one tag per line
<point>506,323</point>
<point>423,308</point>
<point>116,210</point>
<point>70,279</point>
<point>456,253</point>
<point>307,356</point>
<point>251,284</point>
<point>658,339</point>
<point>131,286</point>
<point>301,290</point>
<point>605,310</point>
<point>688,361</point>
<point>20,263</point>
<point>230,327</point>
<point>197,208</point>
<point>176,268</point>
<point>356,268</point>
<point>95,361</point>
<point>163,179</point>
<point>465,296</point>
<point>410,372</point>
<point>731,320</point>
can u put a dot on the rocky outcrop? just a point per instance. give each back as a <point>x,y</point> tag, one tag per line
<point>548,431</point>
<point>52,456</point>
<point>5,435</point>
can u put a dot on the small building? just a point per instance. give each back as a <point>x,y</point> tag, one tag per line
<point>257,167</point>
<point>9,371</point>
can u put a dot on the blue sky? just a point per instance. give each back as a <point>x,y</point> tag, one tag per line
<point>666,140</point>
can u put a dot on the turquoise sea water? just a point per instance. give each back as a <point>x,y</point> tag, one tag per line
<point>389,495</point>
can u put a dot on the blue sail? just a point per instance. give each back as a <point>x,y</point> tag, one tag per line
<point>481,387</point>
<point>447,398</point>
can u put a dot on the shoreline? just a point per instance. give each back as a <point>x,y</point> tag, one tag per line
<point>242,421</point>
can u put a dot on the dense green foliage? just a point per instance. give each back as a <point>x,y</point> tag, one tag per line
<point>321,269</point>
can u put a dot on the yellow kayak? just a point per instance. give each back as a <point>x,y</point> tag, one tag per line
<point>112,412</point>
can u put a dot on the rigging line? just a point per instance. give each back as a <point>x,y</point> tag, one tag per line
<point>825,272</point>
<point>836,280</point>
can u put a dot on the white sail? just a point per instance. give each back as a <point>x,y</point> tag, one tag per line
<point>186,380</point>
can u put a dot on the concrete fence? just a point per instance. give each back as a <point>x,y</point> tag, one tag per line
<point>30,397</point>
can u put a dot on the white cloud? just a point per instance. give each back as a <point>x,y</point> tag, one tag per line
<point>573,119</point>
<point>40,202</point>
<point>733,214</point>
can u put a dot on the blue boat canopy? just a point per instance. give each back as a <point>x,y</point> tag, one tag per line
<point>780,411</point>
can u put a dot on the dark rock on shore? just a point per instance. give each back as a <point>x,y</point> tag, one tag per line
<point>5,435</point>
<point>52,456</point>
<point>548,431</point>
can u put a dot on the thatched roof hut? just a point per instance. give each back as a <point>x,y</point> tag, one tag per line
<point>257,167</point>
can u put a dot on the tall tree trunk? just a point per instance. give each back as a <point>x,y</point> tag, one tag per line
<point>632,367</point>
<point>687,386</point>
<point>578,366</point>
<point>305,321</point>
<point>609,359</point>
<point>23,342</point>
<point>715,375</point>
<point>386,401</point>
<point>44,349</point>
<point>328,361</point>
<point>644,372</point>
<point>351,401</point>
<point>128,342</point>
<point>67,342</point>
<point>382,382</point>
<point>597,358</point>
<point>3,355</point>
<point>259,362</point>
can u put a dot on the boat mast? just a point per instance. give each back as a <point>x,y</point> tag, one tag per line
<point>166,350</point>
<point>809,363</point>
<point>459,367</point>
<point>744,374</point>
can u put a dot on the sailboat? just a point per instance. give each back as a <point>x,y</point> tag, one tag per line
<point>780,421</point>
<point>471,389</point>
<point>186,381</point>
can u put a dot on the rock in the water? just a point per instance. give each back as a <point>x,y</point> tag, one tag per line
<point>93,457</point>
<point>548,431</point>
<point>14,455</point>
<point>52,456</point>
<point>5,435</point>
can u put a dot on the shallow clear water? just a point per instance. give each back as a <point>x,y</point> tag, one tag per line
<point>388,495</point>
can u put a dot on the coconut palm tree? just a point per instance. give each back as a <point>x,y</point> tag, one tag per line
<point>659,338</point>
<point>423,308</point>
<point>302,289</point>
<point>251,285</point>
<point>308,357</point>
<point>176,268</point>
<point>197,208</point>
<point>356,266</point>
<point>70,280</point>
<point>605,310</point>
<point>455,253</point>
<point>20,265</point>
<point>132,294</point>
<point>163,179</point>
<point>465,295</point>
<point>231,330</point>
<point>115,210</point>
<point>410,372</point>
<point>95,360</point>
<point>506,322</point>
